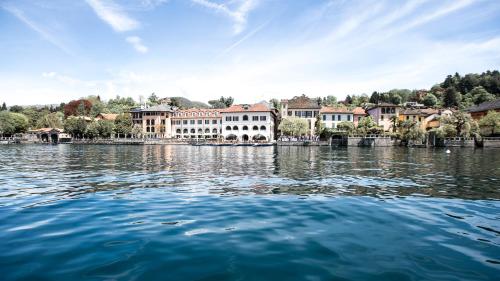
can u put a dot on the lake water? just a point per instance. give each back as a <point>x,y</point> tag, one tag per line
<point>71,212</point>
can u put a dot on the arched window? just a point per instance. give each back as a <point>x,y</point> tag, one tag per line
<point>214,131</point>
<point>200,131</point>
<point>235,128</point>
<point>178,131</point>
<point>245,128</point>
<point>185,131</point>
<point>228,128</point>
<point>245,118</point>
<point>255,128</point>
<point>262,128</point>
<point>207,131</point>
<point>193,131</point>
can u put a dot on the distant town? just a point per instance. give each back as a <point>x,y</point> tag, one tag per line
<point>462,110</point>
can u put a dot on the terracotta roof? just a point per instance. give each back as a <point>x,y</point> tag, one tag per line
<point>422,112</point>
<point>302,102</point>
<point>331,109</point>
<point>258,107</point>
<point>107,116</point>
<point>359,111</point>
<point>196,112</point>
<point>485,106</point>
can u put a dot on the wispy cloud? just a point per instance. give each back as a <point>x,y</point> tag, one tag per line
<point>136,42</point>
<point>239,14</point>
<point>114,15</point>
<point>42,31</point>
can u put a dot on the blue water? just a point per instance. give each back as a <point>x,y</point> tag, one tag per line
<point>93,212</point>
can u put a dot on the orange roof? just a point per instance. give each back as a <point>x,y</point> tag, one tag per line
<point>331,109</point>
<point>107,116</point>
<point>359,111</point>
<point>258,107</point>
<point>196,112</point>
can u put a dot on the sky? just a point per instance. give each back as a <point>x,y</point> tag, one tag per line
<point>53,51</point>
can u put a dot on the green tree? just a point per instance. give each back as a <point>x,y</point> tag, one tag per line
<point>120,105</point>
<point>16,108</point>
<point>410,131</point>
<point>92,130</point>
<point>430,100</point>
<point>346,126</point>
<point>319,126</point>
<point>451,97</point>
<point>329,101</point>
<point>375,97</point>
<point>153,99</point>
<point>105,128</point>
<point>76,126</point>
<point>137,130</point>
<point>294,126</point>
<point>490,123</point>
<point>50,120</point>
<point>462,123</point>
<point>4,107</point>
<point>366,125</point>
<point>13,123</point>
<point>480,95</point>
<point>123,124</point>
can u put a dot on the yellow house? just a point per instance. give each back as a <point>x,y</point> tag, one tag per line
<point>427,117</point>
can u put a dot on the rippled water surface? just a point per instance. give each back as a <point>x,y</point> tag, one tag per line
<point>72,212</point>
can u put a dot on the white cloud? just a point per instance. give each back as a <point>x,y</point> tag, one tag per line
<point>136,42</point>
<point>114,15</point>
<point>239,14</point>
<point>42,31</point>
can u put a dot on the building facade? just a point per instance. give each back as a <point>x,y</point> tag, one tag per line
<point>332,116</point>
<point>155,121</point>
<point>197,124</point>
<point>384,114</point>
<point>479,111</point>
<point>302,107</point>
<point>245,123</point>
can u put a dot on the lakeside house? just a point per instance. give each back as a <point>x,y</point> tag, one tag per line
<point>384,113</point>
<point>332,116</point>
<point>155,121</point>
<point>48,135</point>
<point>479,111</point>
<point>358,113</point>
<point>197,123</point>
<point>301,107</point>
<point>249,122</point>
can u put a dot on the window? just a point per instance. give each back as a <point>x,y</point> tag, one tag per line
<point>419,119</point>
<point>255,128</point>
<point>200,122</point>
<point>316,113</point>
<point>236,118</point>
<point>147,122</point>
<point>228,128</point>
<point>407,117</point>
<point>245,117</point>
<point>152,129</point>
<point>185,122</point>
<point>191,122</point>
<point>214,131</point>
<point>185,131</point>
<point>235,128</point>
<point>339,117</point>
<point>263,118</point>
<point>245,128</point>
<point>359,118</point>
<point>147,129</point>
<point>298,113</point>
<point>207,122</point>
<point>382,117</point>
<point>393,110</point>
<point>308,114</point>
<point>262,128</point>
<point>192,131</point>
<point>178,131</point>
<point>290,113</point>
<point>163,122</point>
<point>324,117</point>
<point>228,118</point>
<point>200,131</point>
<point>255,118</point>
<point>348,117</point>
<point>214,121</point>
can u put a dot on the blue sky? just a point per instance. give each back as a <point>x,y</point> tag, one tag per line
<point>58,50</point>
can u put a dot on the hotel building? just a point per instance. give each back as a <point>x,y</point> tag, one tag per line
<point>245,122</point>
<point>197,123</point>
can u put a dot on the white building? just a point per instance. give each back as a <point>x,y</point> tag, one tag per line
<point>244,122</point>
<point>332,116</point>
<point>197,123</point>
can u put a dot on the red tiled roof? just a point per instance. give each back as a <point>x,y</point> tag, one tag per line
<point>258,107</point>
<point>302,102</point>
<point>107,116</point>
<point>359,111</point>
<point>331,109</point>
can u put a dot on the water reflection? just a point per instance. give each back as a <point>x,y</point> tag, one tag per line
<point>66,170</point>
